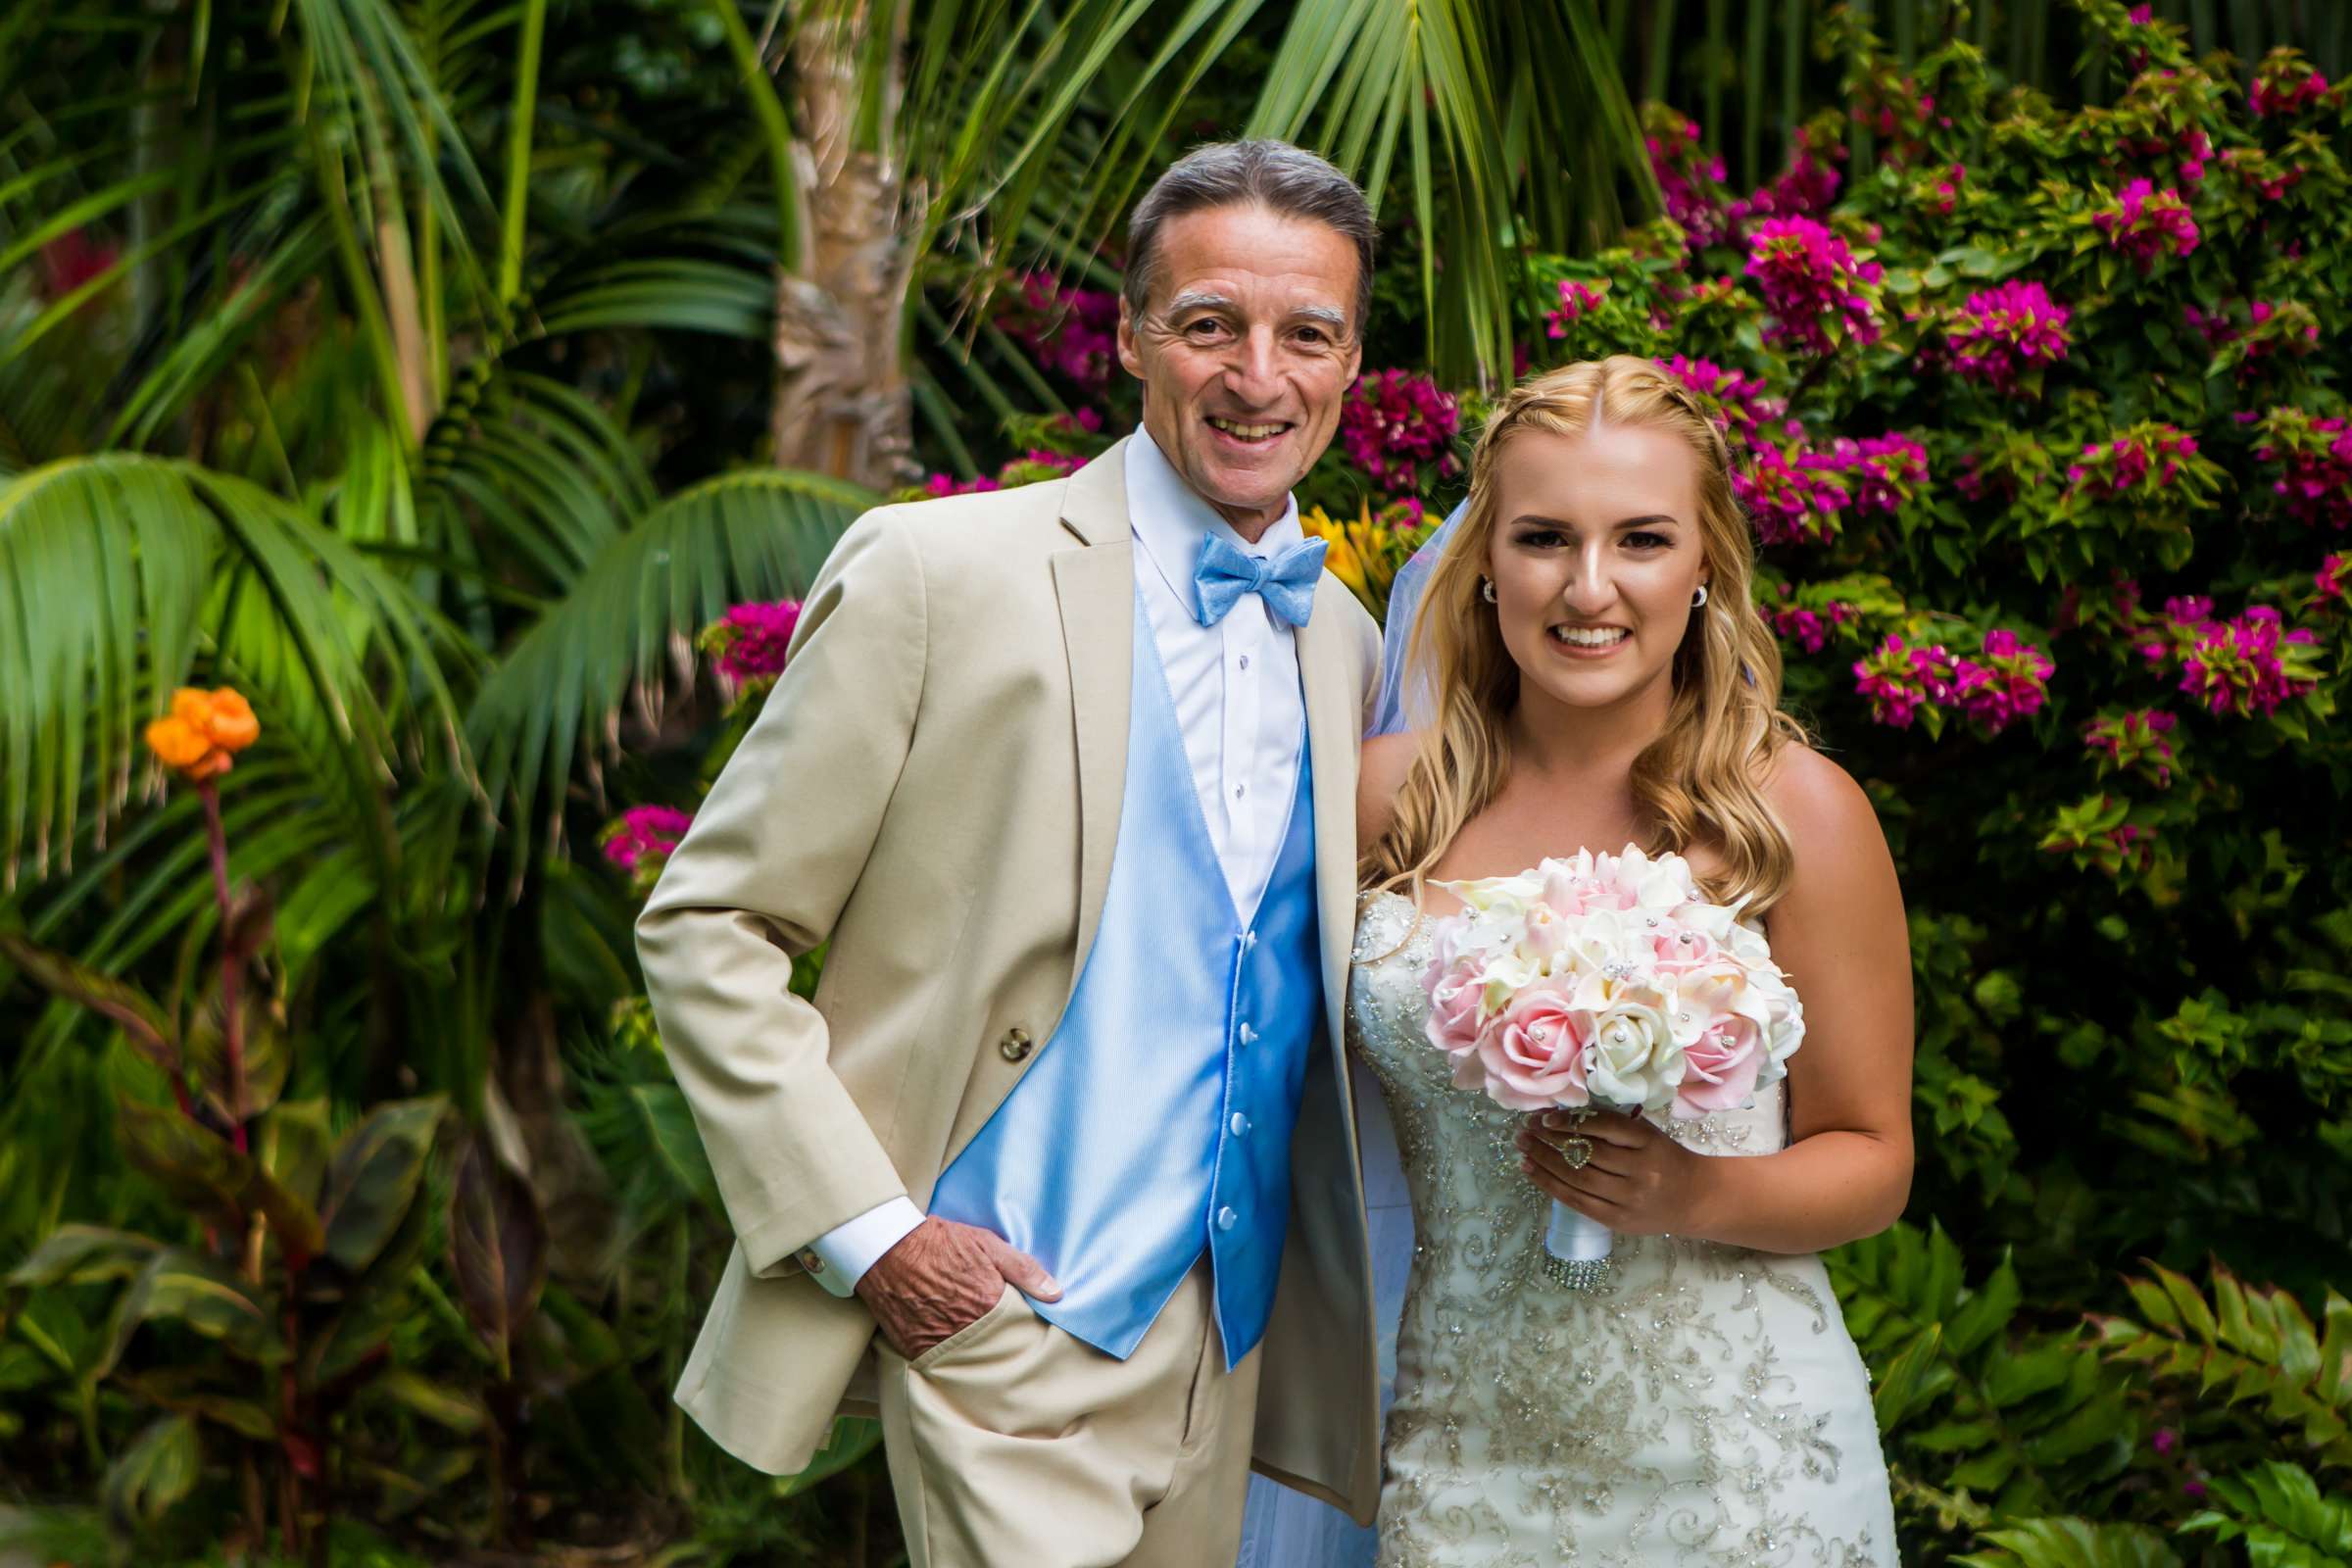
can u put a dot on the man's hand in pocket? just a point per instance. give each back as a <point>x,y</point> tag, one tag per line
<point>940,1279</point>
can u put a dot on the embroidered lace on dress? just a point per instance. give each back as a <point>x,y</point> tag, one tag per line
<point>1704,1408</point>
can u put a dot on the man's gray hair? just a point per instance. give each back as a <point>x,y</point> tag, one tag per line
<point>1289,182</point>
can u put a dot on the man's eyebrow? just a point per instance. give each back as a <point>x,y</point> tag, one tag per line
<point>1336,320</point>
<point>1197,302</point>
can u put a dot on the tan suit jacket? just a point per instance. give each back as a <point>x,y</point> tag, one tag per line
<point>934,788</point>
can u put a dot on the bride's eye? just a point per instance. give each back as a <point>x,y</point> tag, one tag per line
<point>1645,540</point>
<point>1542,538</point>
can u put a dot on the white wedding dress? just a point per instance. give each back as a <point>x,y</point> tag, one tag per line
<point>1705,1408</point>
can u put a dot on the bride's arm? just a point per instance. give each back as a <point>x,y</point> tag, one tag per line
<point>1839,934</point>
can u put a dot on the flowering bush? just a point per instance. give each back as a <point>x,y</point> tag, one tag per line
<point>1393,422</point>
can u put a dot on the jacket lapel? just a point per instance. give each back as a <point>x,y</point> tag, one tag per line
<point>1095,587</point>
<point>1333,730</point>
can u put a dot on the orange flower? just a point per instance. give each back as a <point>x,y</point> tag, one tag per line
<point>203,732</point>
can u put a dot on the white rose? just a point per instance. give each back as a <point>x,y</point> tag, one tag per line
<point>1634,1060</point>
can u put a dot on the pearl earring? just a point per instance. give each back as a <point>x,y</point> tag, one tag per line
<point>1486,586</point>
<point>1698,600</point>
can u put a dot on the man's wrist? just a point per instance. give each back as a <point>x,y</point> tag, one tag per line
<point>838,1259</point>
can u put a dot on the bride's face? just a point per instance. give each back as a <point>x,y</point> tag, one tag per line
<point>1596,557</point>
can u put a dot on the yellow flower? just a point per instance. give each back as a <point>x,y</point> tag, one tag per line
<point>204,731</point>
<point>1363,552</point>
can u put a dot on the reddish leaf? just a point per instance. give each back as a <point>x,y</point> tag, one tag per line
<point>215,1181</point>
<point>118,1002</point>
<point>497,1247</point>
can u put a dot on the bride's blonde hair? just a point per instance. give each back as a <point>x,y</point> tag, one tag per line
<point>1698,783</point>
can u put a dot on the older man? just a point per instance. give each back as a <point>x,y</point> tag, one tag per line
<point>1057,1171</point>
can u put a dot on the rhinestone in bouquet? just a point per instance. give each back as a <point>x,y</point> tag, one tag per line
<point>1606,983</point>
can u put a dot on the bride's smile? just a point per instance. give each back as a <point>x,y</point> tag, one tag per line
<point>1595,564</point>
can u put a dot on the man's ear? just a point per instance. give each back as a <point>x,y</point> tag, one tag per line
<point>1129,356</point>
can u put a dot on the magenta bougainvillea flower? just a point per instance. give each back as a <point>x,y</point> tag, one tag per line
<point>1393,421</point>
<point>2314,457</point>
<point>1688,178</point>
<point>1789,503</point>
<point>2146,223</point>
<point>2328,581</point>
<point>2138,741</point>
<point>2285,85</point>
<point>2250,664</point>
<point>1070,330</point>
<point>1898,680</point>
<point>643,833</point>
<point>1804,189</point>
<point>1576,300</point>
<point>1739,396</point>
<point>2128,460</point>
<point>749,640</point>
<point>1812,283</point>
<point>1810,630</point>
<point>2007,681</point>
<point>1881,472</point>
<point>2001,332</point>
<point>1028,469</point>
<point>1947,189</point>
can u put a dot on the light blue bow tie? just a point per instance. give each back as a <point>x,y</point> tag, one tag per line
<point>1285,582</point>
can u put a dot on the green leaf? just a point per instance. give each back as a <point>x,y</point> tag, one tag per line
<point>372,1180</point>
<point>851,1438</point>
<point>83,1254</point>
<point>2071,1543</point>
<point>196,1291</point>
<point>454,1410</point>
<point>153,1474</point>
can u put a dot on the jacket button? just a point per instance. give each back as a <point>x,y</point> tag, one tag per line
<point>1016,1046</point>
<point>1227,1219</point>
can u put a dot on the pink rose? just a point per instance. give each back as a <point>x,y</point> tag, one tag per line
<point>1719,1068</point>
<point>1453,1025</point>
<point>1683,951</point>
<point>1531,1056</point>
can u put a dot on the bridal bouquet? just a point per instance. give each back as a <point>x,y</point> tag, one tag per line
<point>1606,983</point>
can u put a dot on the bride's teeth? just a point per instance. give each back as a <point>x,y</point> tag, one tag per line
<point>1597,637</point>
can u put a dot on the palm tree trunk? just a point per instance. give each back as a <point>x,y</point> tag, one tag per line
<point>842,406</point>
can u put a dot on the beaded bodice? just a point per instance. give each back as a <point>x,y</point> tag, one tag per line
<point>1702,1408</point>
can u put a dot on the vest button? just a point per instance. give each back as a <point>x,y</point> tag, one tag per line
<point>1227,1219</point>
<point>1016,1046</point>
<point>1240,1125</point>
<point>1249,1035</point>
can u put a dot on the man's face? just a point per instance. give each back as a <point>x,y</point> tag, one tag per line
<point>1245,349</point>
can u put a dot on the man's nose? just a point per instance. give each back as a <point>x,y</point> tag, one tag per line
<point>1250,368</point>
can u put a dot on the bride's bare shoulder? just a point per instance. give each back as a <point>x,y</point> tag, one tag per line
<point>1379,775</point>
<point>1833,827</point>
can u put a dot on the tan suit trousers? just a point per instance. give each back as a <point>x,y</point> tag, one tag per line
<point>1013,1445</point>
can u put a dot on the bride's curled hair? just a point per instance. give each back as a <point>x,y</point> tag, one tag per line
<point>1699,783</point>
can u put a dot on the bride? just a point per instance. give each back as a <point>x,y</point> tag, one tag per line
<point>1597,675</point>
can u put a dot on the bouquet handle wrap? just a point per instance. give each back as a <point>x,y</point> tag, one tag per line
<point>1577,1248</point>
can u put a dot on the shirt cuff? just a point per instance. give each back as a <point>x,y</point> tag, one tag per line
<point>839,1258</point>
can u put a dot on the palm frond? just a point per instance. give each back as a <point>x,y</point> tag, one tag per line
<point>117,571</point>
<point>760,533</point>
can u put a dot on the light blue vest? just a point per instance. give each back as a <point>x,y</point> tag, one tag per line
<point>1156,1122</point>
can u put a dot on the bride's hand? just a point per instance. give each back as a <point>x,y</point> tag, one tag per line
<point>1639,1182</point>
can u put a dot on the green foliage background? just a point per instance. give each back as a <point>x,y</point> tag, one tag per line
<point>2113,1328</point>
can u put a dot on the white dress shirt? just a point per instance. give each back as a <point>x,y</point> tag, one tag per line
<point>1244,719</point>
